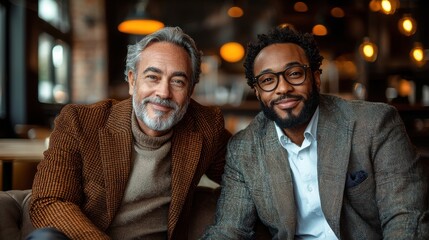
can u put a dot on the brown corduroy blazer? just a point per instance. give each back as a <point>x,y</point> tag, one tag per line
<point>79,185</point>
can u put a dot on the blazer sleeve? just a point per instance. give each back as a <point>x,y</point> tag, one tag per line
<point>236,211</point>
<point>219,141</point>
<point>401,187</point>
<point>57,188</point>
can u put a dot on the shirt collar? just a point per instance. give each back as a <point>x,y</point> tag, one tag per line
<point>310,132</point>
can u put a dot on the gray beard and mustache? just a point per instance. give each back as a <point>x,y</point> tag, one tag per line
<point>159,122</point>
<point>290,121</point>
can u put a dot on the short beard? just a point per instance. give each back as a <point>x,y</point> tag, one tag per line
<point>310,106</point>
<point>160,122</point>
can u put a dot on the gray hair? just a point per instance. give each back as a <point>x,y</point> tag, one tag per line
<point>173,35</point>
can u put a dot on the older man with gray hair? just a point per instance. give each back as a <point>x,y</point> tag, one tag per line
<point>128,169</point>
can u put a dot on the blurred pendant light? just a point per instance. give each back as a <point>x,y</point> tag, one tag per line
<point>235,12</point>
<point>389,6</point>
<point>407,25</point>
<point>300,7</point>
<point>337,12</point>
<point>368,50</point>
<point>235,8</point>
<point>320,30</point>
<point>232,52</point>
<point>375,5</point>
<point>417,54</point>
<point>139,22</point>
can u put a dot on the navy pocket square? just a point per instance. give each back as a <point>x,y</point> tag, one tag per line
<point>354,179</point>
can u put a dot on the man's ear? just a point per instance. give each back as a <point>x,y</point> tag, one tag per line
<point>256,93</point>
<point>131,82</point>
<point>316,79</point>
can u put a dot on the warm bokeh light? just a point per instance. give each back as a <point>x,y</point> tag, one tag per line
<point>300,7</point>
<point>417,54</point>
<point>386,6</point>
<point>368,50</point>
<point>320,30</point>
<point>375,5</point>
<point>232,52</point>
<point>60,94</point>
<point>140,26</point>
<point>337,12</point>
<point>389,6</point>
<point>404,88</point>
<point>284,25</point>
<point>407,25</point>
<point>235,12</point>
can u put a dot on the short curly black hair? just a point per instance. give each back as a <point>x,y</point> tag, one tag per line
<point>282,35</point>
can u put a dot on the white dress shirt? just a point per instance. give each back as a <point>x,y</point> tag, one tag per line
<point>311,222</point>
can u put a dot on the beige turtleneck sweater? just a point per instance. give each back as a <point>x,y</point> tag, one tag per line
<point>144,210</point>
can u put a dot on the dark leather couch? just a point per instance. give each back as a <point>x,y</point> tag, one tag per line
<point>15,223</point>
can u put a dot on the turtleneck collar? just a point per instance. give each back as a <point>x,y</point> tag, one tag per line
<point>144,141</point>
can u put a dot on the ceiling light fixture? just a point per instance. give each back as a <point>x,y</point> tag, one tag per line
<point>368,50</point>
<point>300,7</point>
<point>232,52</point>
<point>407,25</point>
<point>389,6</point>
<point>337,12</point>
<point>417,54</point>
<point>139,22</point>
<point>320,30</point>
<point>375,5</point>
<point>235,12</point>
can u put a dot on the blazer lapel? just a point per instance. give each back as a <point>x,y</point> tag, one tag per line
<point>277,164</point>
<point>186,149</point>
<point>333,146</point>
<point>116,146</point>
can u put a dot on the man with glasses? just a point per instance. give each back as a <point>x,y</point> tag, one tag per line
<point>313,166</point>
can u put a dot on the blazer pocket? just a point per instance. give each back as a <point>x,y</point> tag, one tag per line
<point>361,198</point>
<point>356,178</point>
<point>360,189</point>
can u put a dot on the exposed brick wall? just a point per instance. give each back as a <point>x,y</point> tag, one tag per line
<point>90,56</point>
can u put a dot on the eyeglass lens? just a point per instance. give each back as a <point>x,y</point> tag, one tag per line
<point>294,75</point>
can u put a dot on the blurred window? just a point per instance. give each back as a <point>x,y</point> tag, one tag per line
<point>54,52</point>
<point>55,12</point>
<point>54,70</point>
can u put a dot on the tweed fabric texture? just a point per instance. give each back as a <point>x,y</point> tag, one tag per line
<point>148,193</point>
<point>390,202</point>
<point>79,185</point>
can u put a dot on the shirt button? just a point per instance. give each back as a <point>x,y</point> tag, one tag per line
<point>309,188</point>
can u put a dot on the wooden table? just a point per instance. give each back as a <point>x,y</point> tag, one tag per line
<point>18,151</point>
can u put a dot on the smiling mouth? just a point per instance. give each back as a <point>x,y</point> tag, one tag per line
<point>160,107</point>
<point>287,103</point>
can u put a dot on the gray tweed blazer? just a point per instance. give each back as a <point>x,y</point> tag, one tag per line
<point>370,179</point>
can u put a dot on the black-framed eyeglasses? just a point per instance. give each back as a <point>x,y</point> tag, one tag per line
<point>295,75</point>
